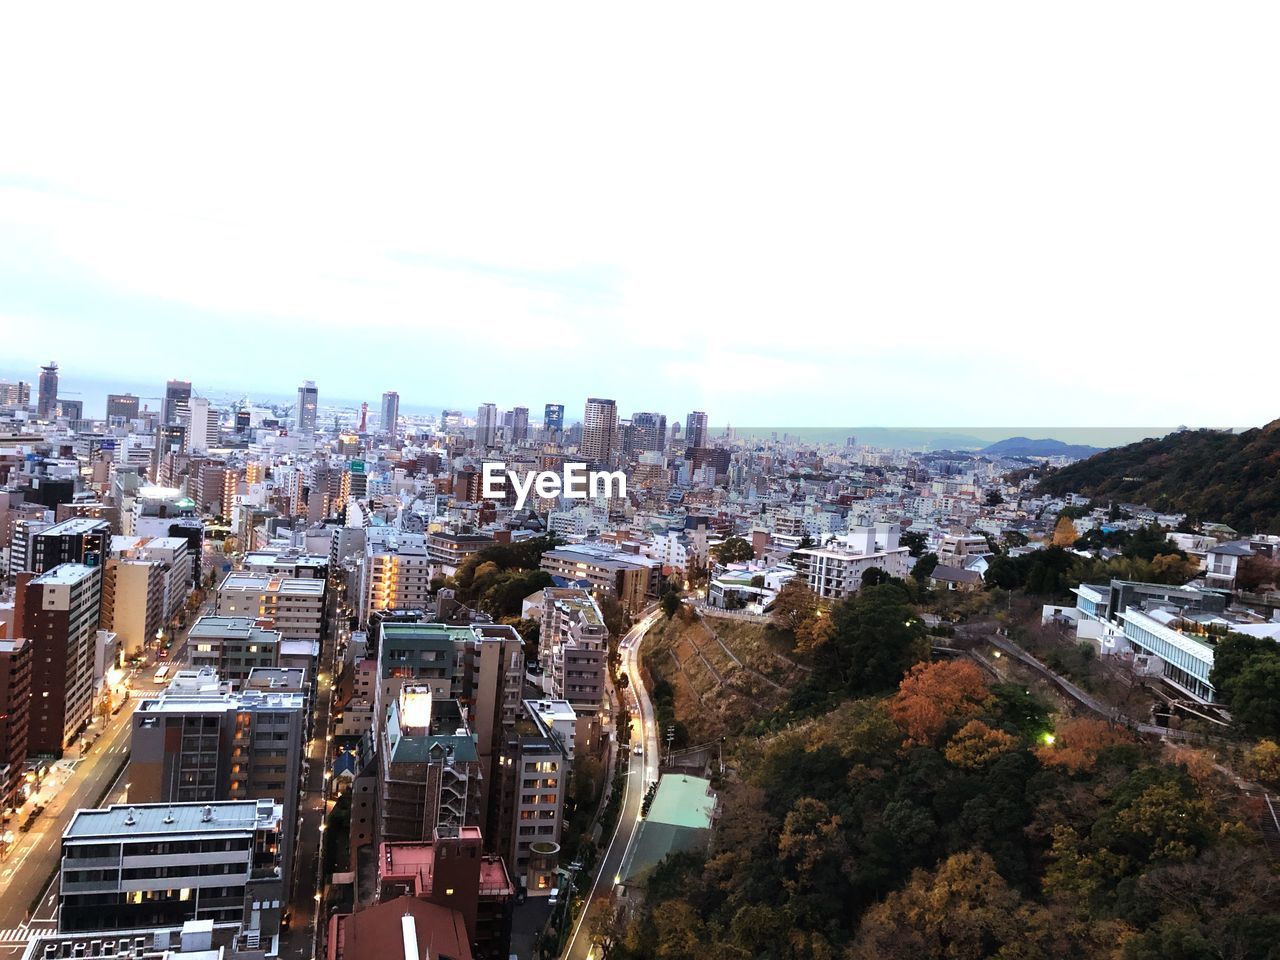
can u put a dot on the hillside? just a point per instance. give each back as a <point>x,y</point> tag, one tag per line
<point>1232,478</point>
<point>1046,447</point>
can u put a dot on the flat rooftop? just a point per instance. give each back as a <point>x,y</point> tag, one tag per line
<point>272,583</point>
<point>66,574</point>
<point>75,526</point>
<point>170,818</point>
<point>232,628</point>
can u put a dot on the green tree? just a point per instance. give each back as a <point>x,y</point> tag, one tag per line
<point>925,566</point>
<point>876,635</point>
<point>733,550</point>
<point>670,603</point>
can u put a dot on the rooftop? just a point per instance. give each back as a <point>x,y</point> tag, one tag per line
<point>142,819</point>
<point>272,583</point>
<point>76,526</point>
<point>65,574</point>
<point>232,628</point>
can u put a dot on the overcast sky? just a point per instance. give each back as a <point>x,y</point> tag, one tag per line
<point>950,213</point>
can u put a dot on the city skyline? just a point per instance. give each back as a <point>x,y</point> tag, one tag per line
<point>779,251</point>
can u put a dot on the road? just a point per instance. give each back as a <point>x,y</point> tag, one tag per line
<point>640,772</point>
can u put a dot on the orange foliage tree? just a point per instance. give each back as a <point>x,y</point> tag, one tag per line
<point>1078,742</point>
<point>934,695</point>
<point>975,745</point>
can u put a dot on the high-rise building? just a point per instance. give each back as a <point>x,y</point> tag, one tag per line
<point>15,716</point>
<point>553,418</point>
<point>121,407</point>
<point>177,402</point>
<point>15,394</point>
<point>202,432</point>
<point>391,414</point>
<point>695,430</point>
<point>78,540</point>
<point>221,862</point>
<point>58,612</point>
<point>486,425</point>
<point>295,605</point>
<point>47,400</point>
<point>308,405</point>
<point>198,742</point>
<point>599,431</point>
<point>519,424</point>
<point>649,432</point>
<point>133,595</point>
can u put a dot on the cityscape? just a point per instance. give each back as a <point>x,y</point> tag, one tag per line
<point>579,481</point>
<point>311,680</point>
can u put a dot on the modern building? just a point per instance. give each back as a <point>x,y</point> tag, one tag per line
<point>121,408</point>
<point>600,441</point>
<point>835,571</point>
<point>232,646</point>
<point>204,423</point>
<point>391,414</point>
<point>133,601</point>
<point>396,572</point>
<point>695,430</point>
<point>47,398</point>
<point>58,612</point>
<point>553,419</point>
<point>629,577</point>
<point>15,716</point>
<point>295,606</point>
<point>136,866</point>
<point>308,408</point>
<point>22,544</point>
<point>519,425</point>
<point>535,772</point>
<point>574,647</point>
<point>450,549</point>
<point>199,742</point>
<point>77,540</point>
<point>15,394</point>
<point>177,402</point>
<point>648,432</point>
<point>486,425</point>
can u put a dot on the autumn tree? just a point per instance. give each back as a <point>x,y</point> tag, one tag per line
<point>1064,533</point>
<point>934,695</point>
<point>962,911</point>
<point>1262,761</point>
<point>1076,744</point>
<point>794,604</point>
<point>976,745</point>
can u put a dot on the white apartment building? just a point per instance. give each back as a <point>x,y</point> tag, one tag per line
<point>835,571</point>
<point>295,605</point>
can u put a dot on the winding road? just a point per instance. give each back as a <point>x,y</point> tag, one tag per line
<point>640,771</point>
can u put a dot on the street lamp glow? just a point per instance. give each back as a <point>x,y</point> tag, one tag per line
<point>1049,739</point>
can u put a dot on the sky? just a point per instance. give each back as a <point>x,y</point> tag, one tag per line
<point>895,214</point>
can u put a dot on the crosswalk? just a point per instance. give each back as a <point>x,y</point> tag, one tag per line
<point>15,935</point>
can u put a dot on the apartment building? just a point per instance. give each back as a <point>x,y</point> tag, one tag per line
<point>535,768</point>
<point>199,742</point>
<point>835,571</point>
<point>396,572</point>
<point>76,540</point>
<point>574,647</point>
<point>232,647</point>
<point>15,716</point>
<point>295,606</point>
<point>631,578</point>
<point>133,601</point>
<point>135,866</point>
<point>58,612</point>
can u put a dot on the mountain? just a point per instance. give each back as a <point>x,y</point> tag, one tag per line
<point>1231,478</point>
<point>1025,447</point>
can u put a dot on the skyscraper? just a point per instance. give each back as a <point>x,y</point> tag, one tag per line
<point>123,406</point>
<point>599,431</point>
<point>391,414</point>
<point>47,400</point>
<point>486,424</point>
<point>520,424</point>
<point>308,401</point>
<point>649,431</point>
<point>177,402</point>
<point>553,418</point>
<point>695,430</point>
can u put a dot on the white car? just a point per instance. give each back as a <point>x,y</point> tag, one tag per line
<point>638,750</point>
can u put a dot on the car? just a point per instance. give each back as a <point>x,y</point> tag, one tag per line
<point>638,751</point>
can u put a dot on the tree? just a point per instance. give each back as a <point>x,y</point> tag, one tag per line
<point>925,566</point>
<point>976,745</point>
<point>994,498</point>
<point>1064,533</point>
<point>874,576</point>
<point>933,695</point>
<point>670,603</point>
<point>1256,572</point>
<point>794,604</point>
<point>914,541</point>
<point>876,635</point>
<point>1254,696</point>
<point>1262,761</point>
<point>1077,743</point>
<point>733,550</point>
<point>962,911</point>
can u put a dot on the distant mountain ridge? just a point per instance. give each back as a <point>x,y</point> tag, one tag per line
<point>1046,447</point>
<point>1211,475</point>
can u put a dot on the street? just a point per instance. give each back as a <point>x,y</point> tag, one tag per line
<point>640,771</point>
